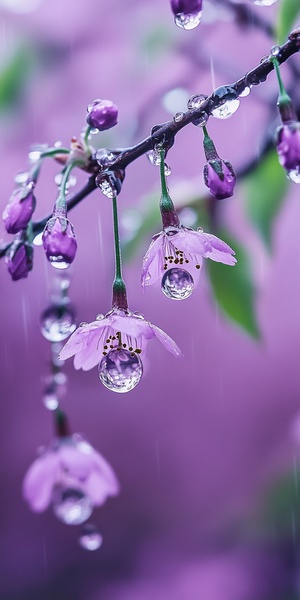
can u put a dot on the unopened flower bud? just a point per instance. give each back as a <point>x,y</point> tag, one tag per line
<point>19,259</point>
<point>59,242</point>
<point>287,140</point>
<point>220,178</point>
<point>102,114</point>
<point>19,210</point>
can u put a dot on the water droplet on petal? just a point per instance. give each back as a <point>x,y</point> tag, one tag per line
<point>57,323</point>
<point>188,21</point>
<point>245,92</point>
<point>227,109</point>
<point>120,371</point>
<point>178,117</point>
<point>294,175</point>
<point>177,284</point>
<point>90,537</point>
<point>71,505</point>
<point>100,317</point>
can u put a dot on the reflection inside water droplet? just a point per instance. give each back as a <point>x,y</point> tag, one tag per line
<point>120,371</point>
<point>188,21</point>
<point>90,537</point>
<point>58,322</point>
<point>227,109</point>
<point>71,505</point>
<point>177,284</point>
<point>294,175</point>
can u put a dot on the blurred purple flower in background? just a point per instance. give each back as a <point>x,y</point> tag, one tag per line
<point>175,257</point>
<point>71,476</point>
<point>20,208</point>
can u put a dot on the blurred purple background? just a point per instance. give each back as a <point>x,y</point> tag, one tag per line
<point>200,443</point>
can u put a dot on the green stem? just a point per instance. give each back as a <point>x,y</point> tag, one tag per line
<point>167,209</point>
<point>61,423</point>
<point>86,137</point>
<point>119,288</point>
<point>61,202</point>
<point>54,152</point>
<point>283,98</point>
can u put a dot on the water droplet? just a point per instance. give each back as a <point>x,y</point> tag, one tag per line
<point>58,144</point>
<point>57,323</point>
<point>264,2</point>
<point>83,324</point>
<point>178,117</point>
<point>60,378</point>
<point>100,317</point>
<point>71,505</point>
<point>21,177</point>
<point>90,537</point>
<point>167,170</point>
<point>196,101</point>
<point>245,92</point>
<point>275,50</point>
<point>50,400</point>
<point>188,21</point>
<point>201,121</point>
<point>177,284</point>
<point>227,109</point>
<point>294,175</point>
<point>104,157</point>
<point>58,263</point>
<point>38,240</point>
<point>120,371</point>
<point>34,155</point>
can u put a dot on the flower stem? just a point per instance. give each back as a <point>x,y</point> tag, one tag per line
<point>167,209</point>
<point>119,299</point>
<point>209,147</point>
<point>61,202</point>
<point>61,423</point>
<point>283,97</point>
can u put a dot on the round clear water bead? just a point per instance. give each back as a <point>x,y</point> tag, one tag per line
<point>121,370</point>
<point>90,537</point>
<point>196,100</point>
<point>177,284</point>
<point>58,263</point>
<point>21,177</point>
<point>50,400</point>
<point>227,109</point>
<point>275,50</point>
<point>188,21</point>
<point>71,505</point>
<point>294,175</point>
<point>178,117</point>
<point>57,323</point>
<point>245,92</point>
<point>264,2</point>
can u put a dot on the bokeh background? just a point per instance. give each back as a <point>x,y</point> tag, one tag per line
<point>207,447</point>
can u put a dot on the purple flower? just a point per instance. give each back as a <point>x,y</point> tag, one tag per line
<point>187,13</point>
<point>287,139</point>
<point>71,476</point>
<point>59,242</point>
<point>19,210</point>
<point>102,114</point>
<point>175,257</point>
<point>220,178</point>
<point>19,259</point>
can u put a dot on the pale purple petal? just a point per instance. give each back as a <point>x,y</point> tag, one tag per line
<point>166,341</point>
<point>135,327</point>
<point>190,242</point>
<point>153,261</point>
<point>218,250</point>
<point>91,354</point>
<point>77,464</point>
<point>97,489</point>
<point>39,481</point>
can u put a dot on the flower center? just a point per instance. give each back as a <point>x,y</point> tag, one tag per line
<point>176,257</point>
<point>115,342</point>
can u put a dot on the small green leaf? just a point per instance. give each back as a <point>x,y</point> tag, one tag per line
<point>151,224</point>
<point>234,289</point>
<point>287,13</point>
<point>265,192</point>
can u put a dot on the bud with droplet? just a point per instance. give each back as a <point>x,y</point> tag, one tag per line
<point>59,241</point>
<point>90,537</point>
<point>20,208</point>
<point>58,322</point>
<point>177,284</point>
<point>102,114</point>
<point>219,175</point>
<point>187,13</point>
<point>70,505</point>
<point>19,260</point>
<point>120,370</point>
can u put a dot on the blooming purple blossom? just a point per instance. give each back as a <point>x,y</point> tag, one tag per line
<point>287,139</point>
<point>19,260</point>
<point>115,331</point>
<point>175,256</point>
<point>19,210</point>
<point>220,178</point>
<point>59,241</point>
<point>102,114</point>
<point>73,477</point>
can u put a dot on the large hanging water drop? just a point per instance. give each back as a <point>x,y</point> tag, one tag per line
<point>226,110</point>
<point>177,284</point>
<point>90,537</point>
<point>188,21</point>
<point>121,370</point>
<point>71,505</point>
<point>58,322</point>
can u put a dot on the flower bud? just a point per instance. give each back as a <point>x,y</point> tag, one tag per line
<point>19,259</point>
<point>59,242</point>
<point>19,210</point>
<point>287,139</point>
<point>102,114</point>
<point>220,178</point>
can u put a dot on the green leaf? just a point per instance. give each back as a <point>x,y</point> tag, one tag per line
<point>234,289</point>
<point>13,78</point>
<point>150,224</point>
<point>287,13</point>
<point>265,192</point>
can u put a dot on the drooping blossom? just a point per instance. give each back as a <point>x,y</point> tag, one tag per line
<point>187,13</point>
<point>102,114</point>
<point>287,140</point>
<point>175,256</point>
<point>19,259</point>
<point>19,210</point>
<point>220,178</point>
<point>59,241</point>
<point>71,476</point>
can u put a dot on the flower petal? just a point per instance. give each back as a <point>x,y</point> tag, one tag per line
<point>166,341</point>
<point>218,250</point>
<point>77,464</point>
<point>153,261</point>
<point>97,489</point>
<point>39,481</point>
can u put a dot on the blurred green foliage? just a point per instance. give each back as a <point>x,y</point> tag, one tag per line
<point>286,17</point>
<point>14,77</point>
